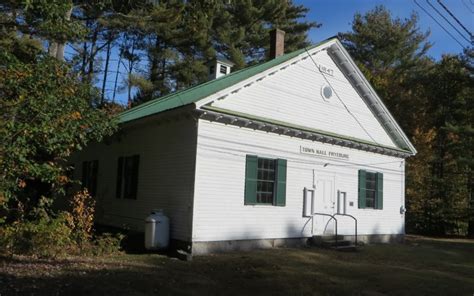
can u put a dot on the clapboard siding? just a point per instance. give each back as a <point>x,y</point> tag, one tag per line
<point>293,95</point>
<point>166,175</point>
<point>219,210</point>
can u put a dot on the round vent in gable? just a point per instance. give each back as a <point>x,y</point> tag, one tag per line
<point>326,92</point>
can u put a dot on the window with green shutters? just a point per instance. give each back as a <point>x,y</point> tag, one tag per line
<point>370,190</point>
<point>89,176</point>
<point>265,181</point>
<point>127,177</point>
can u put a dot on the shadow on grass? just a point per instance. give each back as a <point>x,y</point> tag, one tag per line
<point>441,242</point>
<point>415,268</point>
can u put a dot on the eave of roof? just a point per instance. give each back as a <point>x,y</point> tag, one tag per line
<point>198,92</point>
<point>304,129</point>
<point>353,74</point>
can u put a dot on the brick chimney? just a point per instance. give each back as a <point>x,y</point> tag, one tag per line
<point>277,43</point>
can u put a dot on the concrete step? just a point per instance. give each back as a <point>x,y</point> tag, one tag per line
<point>319,239</point>
<point>329,237</point>
<point>329,242</point>
<point>334,243</point>
<point>348,248</point>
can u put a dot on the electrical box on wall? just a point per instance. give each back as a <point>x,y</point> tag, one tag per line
<point>341,202</point>
<point>308,201</point>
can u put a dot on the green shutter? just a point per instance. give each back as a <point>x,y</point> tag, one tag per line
<point>85,168</point>
<point>251,180</point>
<point>93,182</point>
<point>281,182</point>
<point>118,189</point>
<point>134,176</point>
<point>379,182</point>
<point>362,192</point>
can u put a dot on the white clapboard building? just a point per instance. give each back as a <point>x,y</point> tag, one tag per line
<point>269,155</point>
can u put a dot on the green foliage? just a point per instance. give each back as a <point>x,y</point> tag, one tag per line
<point>391,53</point>
<point>46,116</point>
<point>67,233</point>
<point>106,244</point>
<point>27,25</point>
<point>50,20</point>
<point>448,182</point>
<point>432,100</point>
<point>380,42</point>
<point>179,38</point>
<point>44,237</point>
<point>48,113</point>
<point>167,43</point>
<point>53,237</point>
<point>241,29</point>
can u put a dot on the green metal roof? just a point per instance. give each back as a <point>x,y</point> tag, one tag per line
<point>198,92</point>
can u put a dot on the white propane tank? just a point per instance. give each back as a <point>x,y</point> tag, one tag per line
<point>157,231</point>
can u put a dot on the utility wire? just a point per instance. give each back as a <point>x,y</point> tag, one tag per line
<point>295,157</point>
<point>436,21</point>
<point>437,11</point>
<point>342,102</point>
<point>467,6</point>
<point>455,18</point>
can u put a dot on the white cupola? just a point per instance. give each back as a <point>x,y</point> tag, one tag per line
<point>219,67</point>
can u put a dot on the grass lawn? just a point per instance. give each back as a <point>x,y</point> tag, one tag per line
<point>420,266</point>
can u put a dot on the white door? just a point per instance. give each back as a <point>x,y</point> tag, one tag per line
<point>325,202</point>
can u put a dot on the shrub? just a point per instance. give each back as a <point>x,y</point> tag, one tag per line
<point>44,237</point>
<point>51,236</point>
<point>47,114</point>
<point>81,217</point>
<point>107,244</point>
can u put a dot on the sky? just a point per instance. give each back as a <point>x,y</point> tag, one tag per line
<point>337,15</point>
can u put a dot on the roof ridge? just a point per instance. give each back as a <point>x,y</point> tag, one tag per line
<point>191,88</point>
<point>219,83</point>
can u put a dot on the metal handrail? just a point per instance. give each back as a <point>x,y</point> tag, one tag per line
<point>335,220</point>
<point>355,224</point>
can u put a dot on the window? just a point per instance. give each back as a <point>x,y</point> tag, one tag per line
<point>89,176</point>
<point>326,92</point>
<point>370,190</point>
<point>127,177</point>
<point>265,181</point>
<point>223,69</point>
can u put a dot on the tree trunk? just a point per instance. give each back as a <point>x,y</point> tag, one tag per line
<point>116,78</point>
<point>56,49</point>
<point>93,52</point>
<point>470,184</point>
<point>106,70</point>
<point>118,70</point>
<point>53,49</point>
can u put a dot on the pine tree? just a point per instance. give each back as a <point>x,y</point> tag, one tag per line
<point>450,89</point>
<point>391,52</point>
<point>242,29</point>
<point>183,36</point>
<point>433,103</point>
